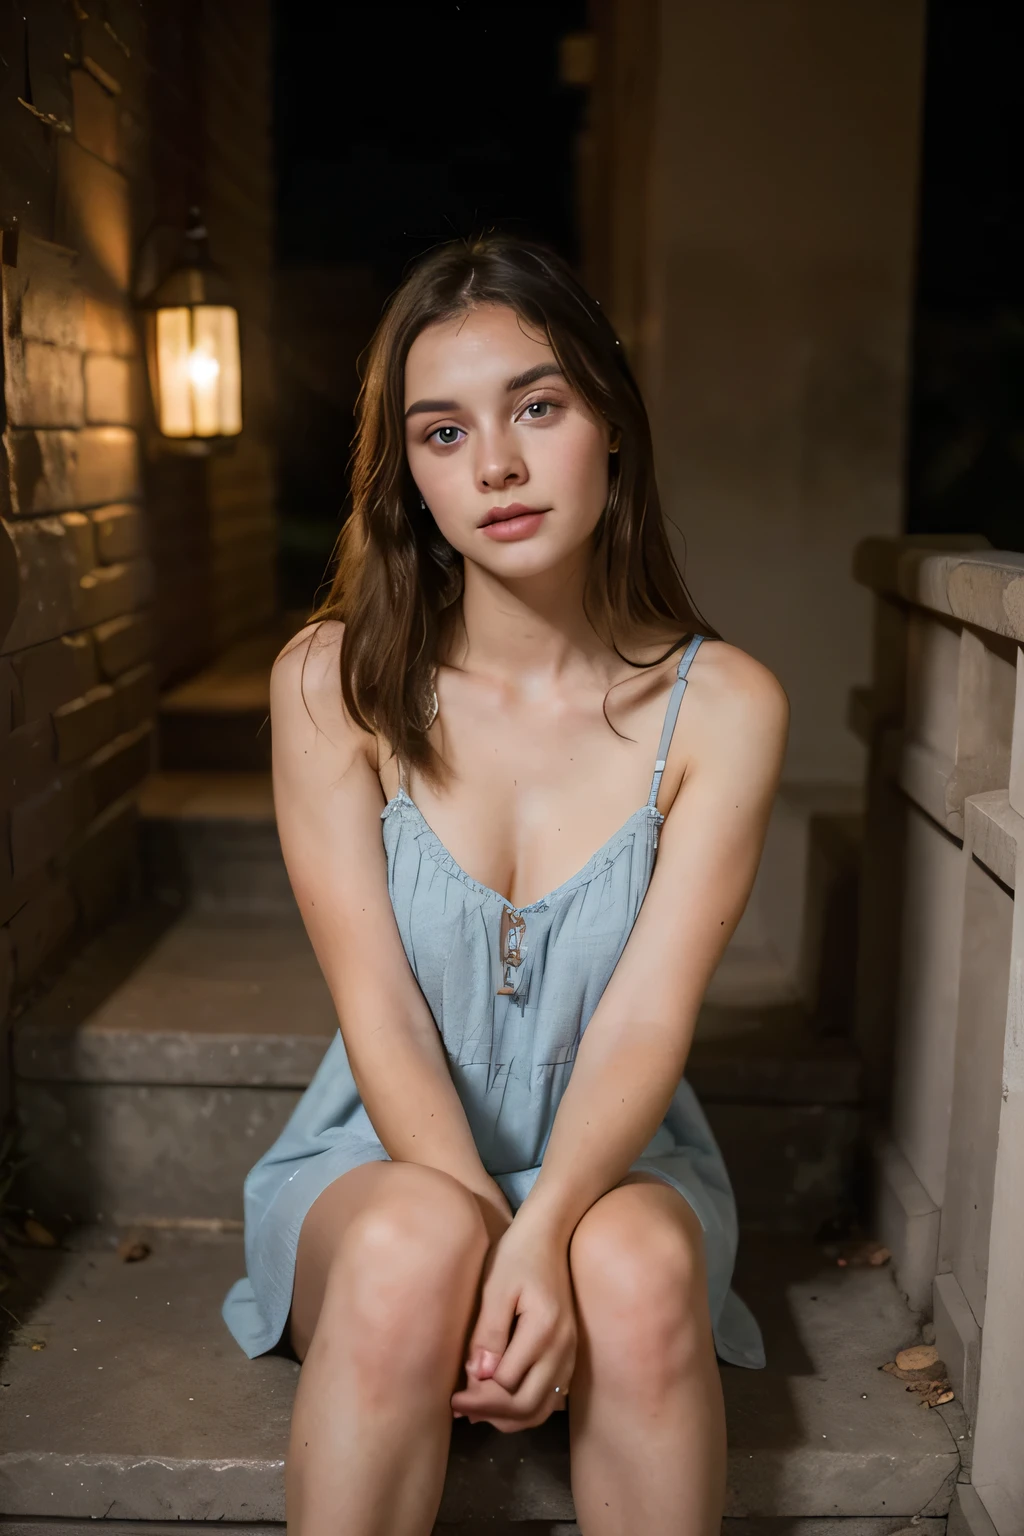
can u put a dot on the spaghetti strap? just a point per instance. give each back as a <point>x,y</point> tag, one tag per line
<point>674,700</point>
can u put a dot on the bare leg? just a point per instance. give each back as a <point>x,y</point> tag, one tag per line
<point>385,1286</point>
<point>645,1407</point>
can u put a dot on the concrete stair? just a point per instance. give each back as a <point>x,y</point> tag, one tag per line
<point>219,720</point>
<point>176,1044</point>
<point>124,1398</point>
<point>169,1054</point>
<point>209,841</point>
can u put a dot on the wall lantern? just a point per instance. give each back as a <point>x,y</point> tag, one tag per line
<point>192,350</point>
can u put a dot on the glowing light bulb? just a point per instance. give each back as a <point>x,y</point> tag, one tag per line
<point>203,369</point>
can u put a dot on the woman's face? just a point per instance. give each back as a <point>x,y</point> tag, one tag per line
<point>491,425</point>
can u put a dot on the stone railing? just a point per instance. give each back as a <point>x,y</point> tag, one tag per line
<point>940,1004</point>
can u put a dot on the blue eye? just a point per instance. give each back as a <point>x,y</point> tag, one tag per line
<point>446,442</point>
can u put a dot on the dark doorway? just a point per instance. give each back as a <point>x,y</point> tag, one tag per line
<point>966,462</point>
<point>396,126</point>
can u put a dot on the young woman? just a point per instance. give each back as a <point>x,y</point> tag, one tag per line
<point>498,1194</point>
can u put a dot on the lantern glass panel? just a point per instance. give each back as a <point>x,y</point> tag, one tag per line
<point>198,371</point>
<point>216,371</point>
<point>173,348</point>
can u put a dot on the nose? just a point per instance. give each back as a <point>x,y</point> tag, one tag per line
<point>500,462</point>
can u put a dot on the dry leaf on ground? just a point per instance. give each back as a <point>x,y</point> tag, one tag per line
<point>857,1255</point>
<point>918,1357</point>
<point>923,1371</point>
<point>132,1249</point>
<point>38,1235</point>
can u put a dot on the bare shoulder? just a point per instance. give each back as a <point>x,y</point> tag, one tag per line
<point>306,704</point>
<point>739,702</point>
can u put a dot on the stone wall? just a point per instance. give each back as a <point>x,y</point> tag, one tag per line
<point>113,123</point>
<point>750,225</point>
<point>77,682</point>
<point>751,175</point>
<point>940,1007</point>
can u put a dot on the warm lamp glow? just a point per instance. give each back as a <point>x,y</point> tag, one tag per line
<point>198,371</point>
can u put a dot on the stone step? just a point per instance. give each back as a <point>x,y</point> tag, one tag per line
<point>125,1399</point>
<point>842,1525</point>
<point>175,1045</point>
<point>219,720</point>
<point>209,841</point>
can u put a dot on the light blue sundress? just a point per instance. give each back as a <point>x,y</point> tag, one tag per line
<point>510,1055</point>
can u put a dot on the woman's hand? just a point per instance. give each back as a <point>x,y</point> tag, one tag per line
<point>511,1376</point>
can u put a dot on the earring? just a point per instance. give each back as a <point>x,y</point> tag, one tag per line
<point>614,447</point>
<point>423,505</point>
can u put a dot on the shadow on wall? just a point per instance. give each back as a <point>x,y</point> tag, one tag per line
<point>9,583</point>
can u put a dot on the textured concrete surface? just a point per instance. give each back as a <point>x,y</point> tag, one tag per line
<point>124,1153</point>
<point>188,1000</point>
<point>140,1407</point>
<point>172,1051</point>
<point>146,1151</point>
<point>791,1165</point>
<point>233,1000</point>
<point>487,1527</point>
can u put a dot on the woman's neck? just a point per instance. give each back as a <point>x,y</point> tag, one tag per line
<point>534,627</point>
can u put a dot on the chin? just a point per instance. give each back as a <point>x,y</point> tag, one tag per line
<point>530,557</point>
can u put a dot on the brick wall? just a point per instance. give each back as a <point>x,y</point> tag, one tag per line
<point>133,565</point>
<point>77,682</point>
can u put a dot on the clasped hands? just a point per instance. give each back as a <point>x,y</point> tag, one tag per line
<point>523,1343</point>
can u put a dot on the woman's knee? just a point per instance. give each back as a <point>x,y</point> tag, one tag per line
<point>641,1289</point>
<point>425,1232</point>
<point>405,1274</point>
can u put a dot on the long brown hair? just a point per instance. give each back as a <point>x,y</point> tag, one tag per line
<point>397,580</point>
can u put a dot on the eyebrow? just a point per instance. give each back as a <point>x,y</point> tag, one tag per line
<point>521,380</point>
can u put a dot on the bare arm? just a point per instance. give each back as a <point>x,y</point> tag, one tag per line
<point>328,803</point>
<point>635,1047</point>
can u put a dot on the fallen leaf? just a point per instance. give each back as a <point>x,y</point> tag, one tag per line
<point>938,1399</point>
<point>38,1235</point>
<point>132,1249</point>
<point>39,1344</point>
<point>865,1252</point>
<point>917,1358</point>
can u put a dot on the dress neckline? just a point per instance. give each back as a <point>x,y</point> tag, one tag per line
<point>446,858</point>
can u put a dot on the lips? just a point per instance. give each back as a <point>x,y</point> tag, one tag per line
<point>505,514</point>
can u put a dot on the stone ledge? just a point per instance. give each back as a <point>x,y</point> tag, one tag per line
<point>994,834</point>
<point>981,587</point>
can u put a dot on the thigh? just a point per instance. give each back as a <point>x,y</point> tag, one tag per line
<point>398,1197</point>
